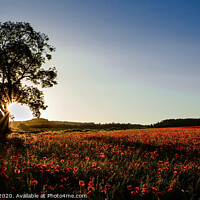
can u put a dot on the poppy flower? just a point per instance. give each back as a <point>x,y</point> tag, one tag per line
<point>34,182</point>
<point>81,183</point>
<point>17,171</point>
<point>103,191</point>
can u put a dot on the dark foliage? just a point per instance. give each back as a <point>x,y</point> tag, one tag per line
<point>177,123</point>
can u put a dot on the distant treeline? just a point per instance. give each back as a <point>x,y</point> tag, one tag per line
<point>44,124</point>
<point>176,123</point>
<point>111,126</point>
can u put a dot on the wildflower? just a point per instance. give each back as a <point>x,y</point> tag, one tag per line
<point>75,172</point>
<point>144,186</point>
<point>24,163</point>
<point>44,166</point>
<point>130,187</point>
<point>47,187</point>
<point>63,179</point>
<point>154,190</point>
<point>159,193</point>
<point>30,154</point>
<point>160,162</point>
<point>130,166</point>
<point>102,155</point>
<point>81,183</point>
<point>17,171</point>
<point>145,192</point>
<point>133,193</point>
<point>137,190</point>
<point>159,170</point>
<point>89,188</point>
<point>90,183</point>
<point>19,156</point>
<point>107,187</point>
<point>94,164</point>
<point>75,168</point>
<point>103,191</point>
<point>89,193</point>
<point>69,169</point>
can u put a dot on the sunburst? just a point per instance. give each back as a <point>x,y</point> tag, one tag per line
<point>7,98</point>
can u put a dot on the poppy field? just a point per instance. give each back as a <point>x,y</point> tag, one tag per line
<point>127,164</point>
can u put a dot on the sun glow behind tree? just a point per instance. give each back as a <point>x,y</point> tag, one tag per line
<point>19,111</point>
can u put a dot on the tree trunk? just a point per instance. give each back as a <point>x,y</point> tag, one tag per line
<point>4,125</point>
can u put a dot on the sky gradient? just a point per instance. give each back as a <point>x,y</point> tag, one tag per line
<point>117,61</point>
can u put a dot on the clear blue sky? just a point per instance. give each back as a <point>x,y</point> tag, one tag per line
<point>118,61</point>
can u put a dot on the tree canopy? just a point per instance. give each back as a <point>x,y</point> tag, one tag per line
<point>23,51</point>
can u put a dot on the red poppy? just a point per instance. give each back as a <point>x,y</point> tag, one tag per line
<point>102,155</point>
<point>34,182</point>
<point>107,187</point>
<point>89,188</point>
<point>89,193</point>
<point>103,191</point>
<point>130,187</point>
<point>75,168</point>
<point>81,183</point>
<point>17,171</point>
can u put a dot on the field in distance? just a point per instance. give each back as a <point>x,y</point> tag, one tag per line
<point>41,124</point>
<point>127,164</point>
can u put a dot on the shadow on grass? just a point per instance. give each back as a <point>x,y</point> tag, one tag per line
<point>16,143</point>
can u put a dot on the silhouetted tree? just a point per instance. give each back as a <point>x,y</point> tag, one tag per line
<point>22,53</point>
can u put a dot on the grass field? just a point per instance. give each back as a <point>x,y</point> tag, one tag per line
<point>129,164</point>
